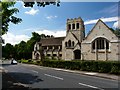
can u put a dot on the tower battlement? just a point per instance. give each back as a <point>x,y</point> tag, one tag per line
<point>70,20</point>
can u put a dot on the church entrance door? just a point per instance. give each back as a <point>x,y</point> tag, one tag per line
<point>37,56</point>
<point>77,54</point>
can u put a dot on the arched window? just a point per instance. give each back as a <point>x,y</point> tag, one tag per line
<point>69,43</point>
<point>77,25</point>
<point>69,26</point>
<point>73,26</point>
<point>107,44</point>
<point>100,43</point>
<point>73,43</point>
<point>65,44</point>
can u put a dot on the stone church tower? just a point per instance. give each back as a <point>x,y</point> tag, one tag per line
<point>76,26</point>
<point>71,45</point>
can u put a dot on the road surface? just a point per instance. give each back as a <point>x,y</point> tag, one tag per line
<point>41,77</point>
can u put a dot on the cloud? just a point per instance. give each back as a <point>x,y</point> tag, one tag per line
<point>110,10</point>
<point>110,19</point>
<point>117,24</point>
<point>51,17</point>
<point>14,39</point>
<point>32,11</point>
<point>58,33</point>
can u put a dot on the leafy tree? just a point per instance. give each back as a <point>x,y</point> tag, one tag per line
<point>30,44</point>
<point>117,32</point>
<point>7,15</point>
<point>8,51</point>
<point>21,50</point>
<point>41,4</point>
<point>35,38</point>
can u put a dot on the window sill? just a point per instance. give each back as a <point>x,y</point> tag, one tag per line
<point>101,51</point>
<point>69,47</point>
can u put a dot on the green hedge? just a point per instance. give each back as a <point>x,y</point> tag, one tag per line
<point>112,67</point>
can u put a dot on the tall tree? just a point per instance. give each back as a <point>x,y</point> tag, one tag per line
<point>30,43</point>
<point>7,14</point>
<point>22,50</point>
<point>8,51</point>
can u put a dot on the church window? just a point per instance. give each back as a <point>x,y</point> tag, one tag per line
<point>69,43</point>
<point>48,55</point>
<point>93,45</point>
<point>107,44</point>
<point>60,48</point>
<point>69,26</point>
<point>65,44</point>
<point>54,55</point>
<point>77,25</point>
<point>100,42</point>
<point>73,43</point>
<point>60,55</point>
<point>50,47</point>
<point>73,26</point>
<point>45,47</point>
<point>56,47</point>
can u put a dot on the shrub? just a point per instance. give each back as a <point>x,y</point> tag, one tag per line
<point>115,68</point>
<point>30,60</point>
<point>38,61</point>
<point>93,66</point>
<point>104,66</point>
<point>24,61</point>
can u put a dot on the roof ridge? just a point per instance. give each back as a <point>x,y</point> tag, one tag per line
<point>52,37</point>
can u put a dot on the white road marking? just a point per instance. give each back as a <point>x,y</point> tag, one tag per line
<point>53,76</point>
<point>90,86</point>
<point>34,71</point>
<point>20,84</point>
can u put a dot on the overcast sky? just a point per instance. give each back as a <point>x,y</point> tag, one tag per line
<point>51,20</point>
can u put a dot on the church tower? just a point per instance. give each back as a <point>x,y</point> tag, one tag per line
<point>76,26</point>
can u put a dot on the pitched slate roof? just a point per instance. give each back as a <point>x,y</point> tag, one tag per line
<point>51,41</point>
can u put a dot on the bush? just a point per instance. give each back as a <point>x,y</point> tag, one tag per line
<point>24,61</point>
<point>104,66</point>
<point>93,66</point>
<point>30,60</point>
<point>38,62</point>
<point>115,68</point>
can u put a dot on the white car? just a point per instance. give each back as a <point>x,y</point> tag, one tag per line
<point>13,62</point>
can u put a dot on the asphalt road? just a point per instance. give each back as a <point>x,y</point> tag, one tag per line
<point>42,77</point>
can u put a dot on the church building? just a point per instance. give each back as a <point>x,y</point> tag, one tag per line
<point>100,43</point>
